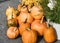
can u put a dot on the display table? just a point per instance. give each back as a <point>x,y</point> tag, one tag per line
<point>3,24</point>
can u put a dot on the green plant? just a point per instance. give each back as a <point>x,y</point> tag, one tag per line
<point>54,14</point>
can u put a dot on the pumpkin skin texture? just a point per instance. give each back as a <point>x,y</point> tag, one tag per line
<point>29,36</point>
<point>50,35</point>
<point>12,32</point>
<point>37,12</point>
<point>11,11</point>
<point>25,17</point>
<point>38,26</point>
<point>12,22</point>
<point>19,7</point>
<point>24,9</point>
<point>23,27</point>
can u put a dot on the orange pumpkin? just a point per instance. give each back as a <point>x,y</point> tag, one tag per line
<point>25,17</point>
<point>29,36</point>
<point>12,32</point>
<point>50,35</point>
<point>38,26</point>
<point>37,12</point>
<point>23,27</point>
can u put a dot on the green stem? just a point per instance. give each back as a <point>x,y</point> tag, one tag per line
<point>12,15</point>
<point>42,19</point>
<point>48,20</point>
<point>15,28</point>
<point>9,6</point>
<point>28,28</point>
<point>25,20</point>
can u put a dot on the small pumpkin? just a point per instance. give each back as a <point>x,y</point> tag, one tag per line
<point>37,12</point>
<point>23,26</point>
<point>29,36</point>
<point>12,22</point>
<point>11,11</point>
<point>39,26</point>
<point>25,17</point>
<point>50,34</point>
<point>12,32</point>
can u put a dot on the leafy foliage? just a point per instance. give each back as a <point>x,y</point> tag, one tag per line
<point>53,15</point>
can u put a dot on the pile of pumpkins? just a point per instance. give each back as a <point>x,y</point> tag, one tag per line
<point>29,23</point>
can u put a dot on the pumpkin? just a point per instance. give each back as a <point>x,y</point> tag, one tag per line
<point>29,36</point>
<point>23,26</point>
<point>39,26</point>
<point>25,17</point>
<point>11,11</point>
<point>19,7</point>
<point>12,22</point>
<point>37,12</point>
<point>12,32</point>
<point>50,34</point>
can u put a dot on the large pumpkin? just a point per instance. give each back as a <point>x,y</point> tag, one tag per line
<point>23,27</point>
<point>12,32</point>
<point>37,12</point>
<point>38,26</point>
<point>50,35</point>
<point>29,36</point>
<point>25,17</point>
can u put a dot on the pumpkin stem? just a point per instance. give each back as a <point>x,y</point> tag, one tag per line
<point>48,20</point>
<point>42,19</point>
<point>25,20</point>
<point>28,28</point>
<point>15,28</point>
<point>8,5</point>
<point>12,15</point>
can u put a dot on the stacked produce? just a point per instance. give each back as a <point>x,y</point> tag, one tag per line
<point>28,21</point>
<point>11,14</point>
